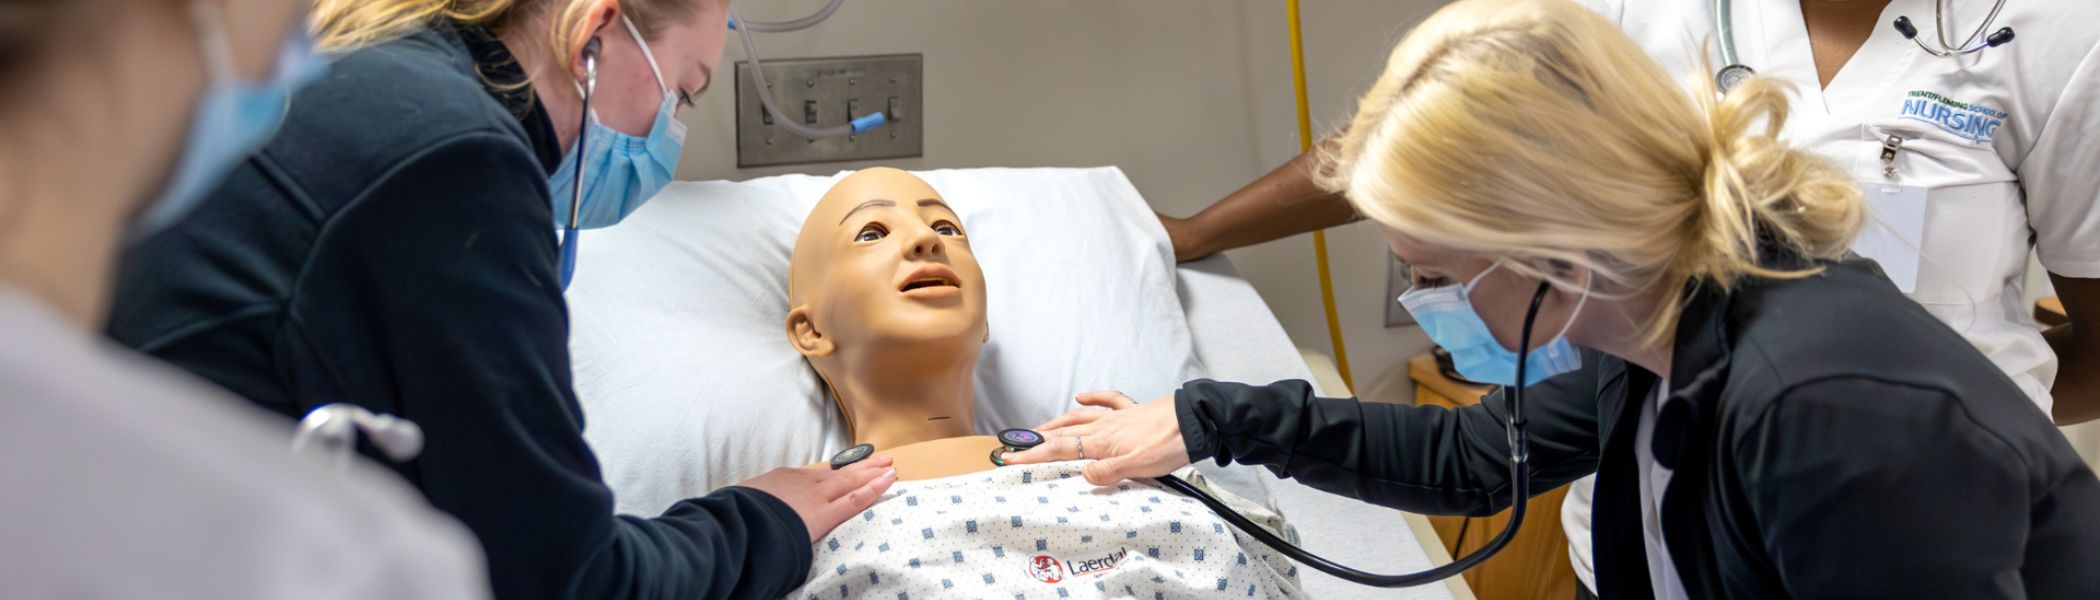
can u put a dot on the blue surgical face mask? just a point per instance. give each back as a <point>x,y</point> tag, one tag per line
<point>620,171</point>
<point>233,118</point>
<point>1448,316</point>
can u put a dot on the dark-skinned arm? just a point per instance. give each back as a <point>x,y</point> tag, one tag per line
<point>2061,191</point>
<point>2077,347</point>
<point>1283,203</point>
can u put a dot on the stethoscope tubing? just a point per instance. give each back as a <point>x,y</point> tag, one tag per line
<point>1520,491</point>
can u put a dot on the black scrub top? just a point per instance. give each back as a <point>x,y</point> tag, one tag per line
<point>1829,439</point>
<point>394,247</point>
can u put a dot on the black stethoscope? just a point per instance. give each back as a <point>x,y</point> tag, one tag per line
<point>1014,440</point>
<point>1734,72</point>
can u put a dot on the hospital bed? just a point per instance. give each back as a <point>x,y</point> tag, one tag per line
<point>688,384</point>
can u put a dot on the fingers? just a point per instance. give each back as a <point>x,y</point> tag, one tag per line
<point>853,476</point>
<point>1103,399</point>
<point>859,499</point>
<point>1074,417</point>
<point>1108,470</point>
<point>1112,400</point>
<point>864,495</point>
<point>1062,446</point>
<point>1067,420</point>
<point>1039,454</point>
<point>876,463</point>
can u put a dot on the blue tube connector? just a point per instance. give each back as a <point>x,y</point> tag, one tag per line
<point>567,264</point>
<point>870,121</point>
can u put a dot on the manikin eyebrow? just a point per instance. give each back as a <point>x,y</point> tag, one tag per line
<point>875,202</point>
<point>936,202</point>
<point>879,202</point>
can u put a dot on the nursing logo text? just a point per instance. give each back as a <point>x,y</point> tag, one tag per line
<point>1051,569</point>
<point>1970,121</point>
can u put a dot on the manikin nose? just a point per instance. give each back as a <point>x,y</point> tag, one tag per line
<point>926,243</point>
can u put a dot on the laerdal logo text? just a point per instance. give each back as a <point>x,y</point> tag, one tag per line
<point>1051,569</point>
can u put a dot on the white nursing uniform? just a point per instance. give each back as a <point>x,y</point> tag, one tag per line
<point>1042,532</point>
<point>2000,153</point>
<point>125,478</point>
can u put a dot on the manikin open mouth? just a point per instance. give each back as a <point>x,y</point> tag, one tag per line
<point>931,276</point>
<point>927,282</point>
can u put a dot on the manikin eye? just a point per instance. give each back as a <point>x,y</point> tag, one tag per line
<point>872,232</point>
<point>947,229</point>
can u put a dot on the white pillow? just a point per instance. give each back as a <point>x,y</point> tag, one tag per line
<point>681,357</point>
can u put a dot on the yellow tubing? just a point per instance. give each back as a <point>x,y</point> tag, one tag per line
<point>1334,322</point>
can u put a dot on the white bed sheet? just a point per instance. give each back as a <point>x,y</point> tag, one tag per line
<point>1237,338</point>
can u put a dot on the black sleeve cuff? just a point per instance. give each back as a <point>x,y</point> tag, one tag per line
<point>783,523</point>
<point>1197,431</point>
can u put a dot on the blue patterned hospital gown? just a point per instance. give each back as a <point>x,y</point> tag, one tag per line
<point>1043,532</point>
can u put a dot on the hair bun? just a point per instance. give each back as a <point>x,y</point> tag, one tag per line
<point>1759,189</point>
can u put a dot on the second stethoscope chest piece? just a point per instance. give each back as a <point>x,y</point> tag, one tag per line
<point>1015,440</point>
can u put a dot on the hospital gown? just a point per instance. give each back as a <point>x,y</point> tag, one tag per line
<point>1042,531</point>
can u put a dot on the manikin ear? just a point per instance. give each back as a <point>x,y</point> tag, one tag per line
<point>803,334</point>
<point>592,25</point>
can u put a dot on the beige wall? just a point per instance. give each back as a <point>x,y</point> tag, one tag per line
<point>1191,98</point>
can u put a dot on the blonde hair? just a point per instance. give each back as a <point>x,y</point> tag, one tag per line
<point>344,25</point>
<point>1536,130</point>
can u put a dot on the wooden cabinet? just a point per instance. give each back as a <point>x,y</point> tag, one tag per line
<point>1535,564</point>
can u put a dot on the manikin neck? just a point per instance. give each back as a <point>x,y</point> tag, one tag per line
<point>906,399</point>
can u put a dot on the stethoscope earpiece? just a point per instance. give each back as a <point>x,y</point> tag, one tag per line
<point>1998,38</point>
<point>1728,75</point>
<point>1946,47</point>
<point>2003,36</point>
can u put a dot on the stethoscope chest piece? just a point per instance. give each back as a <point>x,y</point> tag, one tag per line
<point>1015,440</point>
<point>857,453</point>
<point>1730,76</point>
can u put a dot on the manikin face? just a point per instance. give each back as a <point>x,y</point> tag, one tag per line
<point>882,273</point>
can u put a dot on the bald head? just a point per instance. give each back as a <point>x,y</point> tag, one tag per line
<point>882,278</point>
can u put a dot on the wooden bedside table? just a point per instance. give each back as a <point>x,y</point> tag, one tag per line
<point>1535,564</point>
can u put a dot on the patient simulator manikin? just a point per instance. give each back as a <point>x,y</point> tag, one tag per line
<point>888,304</point>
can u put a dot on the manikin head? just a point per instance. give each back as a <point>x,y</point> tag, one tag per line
<point>887,303</point>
